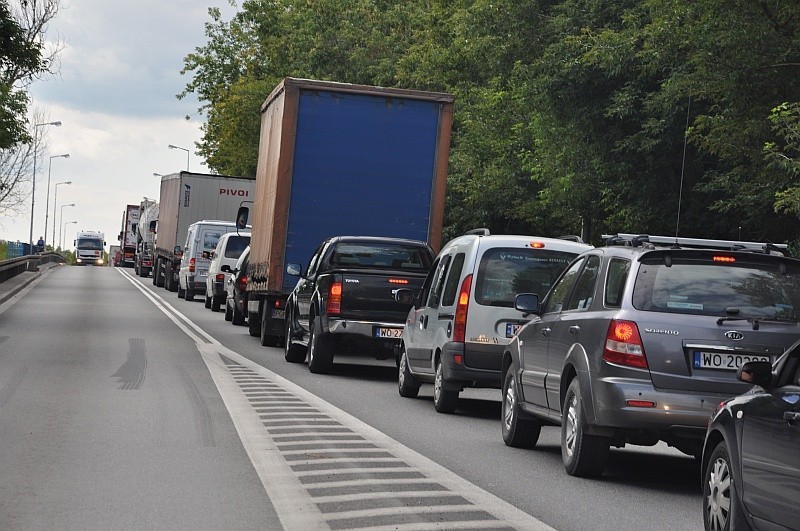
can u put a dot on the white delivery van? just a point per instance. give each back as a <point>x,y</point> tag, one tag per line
<point>201,241</point>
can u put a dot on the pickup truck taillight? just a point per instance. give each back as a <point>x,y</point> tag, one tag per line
<point>334,304</point>
<point>460,328</point>
<point>191,265</point>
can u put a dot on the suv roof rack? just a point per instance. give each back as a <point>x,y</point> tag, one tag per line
<point>637,240</point>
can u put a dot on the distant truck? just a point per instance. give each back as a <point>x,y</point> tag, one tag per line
<point>89,247</point>
<point>186,198</point>
<point>114,255</point>
<point>339,159</point>
<point>145,231</point>
<point>127,235</point>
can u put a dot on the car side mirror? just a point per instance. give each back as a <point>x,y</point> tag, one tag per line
<point>404,296</point>
<point>177,249</point>
<point>225,268</point>
<point>527,303</point>
<point>756,373</point>
<point>294,269</point>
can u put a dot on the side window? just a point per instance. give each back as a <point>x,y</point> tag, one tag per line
<point>438,282</point>
<point>451,286</point>
<point>314,262</point>
<point>426,287</point>
<point>584,288</point>
<point>560,292</point>
<point>616,277</point>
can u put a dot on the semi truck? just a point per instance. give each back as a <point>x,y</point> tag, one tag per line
<point>185,198</point>
<point>145,237</point>
<point>127,235</point>
<point>89,247</point>
<point>340,159</point>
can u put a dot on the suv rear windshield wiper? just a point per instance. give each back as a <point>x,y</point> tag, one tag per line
<point>755,321</point>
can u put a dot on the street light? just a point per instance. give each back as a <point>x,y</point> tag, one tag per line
<point>61,218</point>
<point>47,205</point>
<point>33,191</point>
<point>157,174</point>
<point>55,202</point>
<point>184,149</point>
<point>65,230</point>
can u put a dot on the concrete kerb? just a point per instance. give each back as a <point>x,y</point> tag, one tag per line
<point>14,285</point>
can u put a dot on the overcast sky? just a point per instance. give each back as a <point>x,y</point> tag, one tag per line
<point>115,95</point>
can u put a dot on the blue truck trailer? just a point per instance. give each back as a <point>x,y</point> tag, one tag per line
<point>340,159</point>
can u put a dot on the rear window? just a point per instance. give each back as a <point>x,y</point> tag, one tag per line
<point>505,272</point>
<point>211,239</point>
<point>396,257</point>
<point>702,286</point>
<point>235,246</point>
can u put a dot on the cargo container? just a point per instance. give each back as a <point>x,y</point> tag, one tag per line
<point>146,237</point>
<point>127,235</point>
<point>340,159</point>
<point>185,198</point>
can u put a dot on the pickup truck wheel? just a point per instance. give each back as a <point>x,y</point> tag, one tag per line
<point>320,350</point>
<point>584,455</point>
<point>207,302</point>
<point>293,353</point>
<point>228,312</point>
<point>407,384</point>
<point>444,400</point>
<point>518,432</point>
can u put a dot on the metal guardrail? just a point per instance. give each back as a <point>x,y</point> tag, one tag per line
<point>15,266</point>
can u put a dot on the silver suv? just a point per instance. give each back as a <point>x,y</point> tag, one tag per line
<point>464,316</point>
<point>638,343</point>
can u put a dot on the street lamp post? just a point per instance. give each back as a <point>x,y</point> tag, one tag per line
<point>55,202</point>
<point>171,146</point>
<point>157,174</point>
<point>61,218</point>
<point>65,230</point>
<point>33,191</point>
<point>47,205</point>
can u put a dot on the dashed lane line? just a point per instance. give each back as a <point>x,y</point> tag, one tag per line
<point>323,468</point>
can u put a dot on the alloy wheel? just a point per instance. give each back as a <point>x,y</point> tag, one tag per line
<point>718,503</point>
<point>571,425</point>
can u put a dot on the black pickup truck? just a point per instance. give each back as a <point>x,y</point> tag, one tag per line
<point>345,298</point>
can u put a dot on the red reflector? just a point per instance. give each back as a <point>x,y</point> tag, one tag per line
<point>537,245</point>
<point>458,358</point>
<point>729,259</point>
<point>640,403</point>
<point>398,281</point>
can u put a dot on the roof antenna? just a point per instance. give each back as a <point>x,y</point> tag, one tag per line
<point>683,166</point>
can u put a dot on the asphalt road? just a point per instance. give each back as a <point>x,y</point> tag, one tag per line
<point>112,415</point>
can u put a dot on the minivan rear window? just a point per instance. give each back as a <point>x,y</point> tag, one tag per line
<point>235,246</point>
<point>505,272</point>
<point>396,257</point>
<point>702,286</point>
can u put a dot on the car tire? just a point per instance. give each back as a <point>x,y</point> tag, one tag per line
<point>293,353</point>
<point>320,350</point>
<point>238,317</point>
<point>188,294</point>
<point>719,490</point>
<point>228,312</point>
<point>181,291</point>
<point>407,384</point>
<point>583,455</point>
<point>215,303</point>
<point>207,302</point>
<point>518,430</point>
<point>444,400</point>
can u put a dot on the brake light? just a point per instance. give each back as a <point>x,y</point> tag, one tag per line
<point>242,283</point>
<point>191,265</point>
<point>460,328</point>
<point>728,259</point>
<point>219,277</point>
<point>398,281</point>
<point>537,245</point>
<point>624,345</point>
<point>334,304</point>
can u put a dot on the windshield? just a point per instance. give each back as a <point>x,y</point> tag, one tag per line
<point>396,257</point>
<point>90,243</point>
<point>705,287</point>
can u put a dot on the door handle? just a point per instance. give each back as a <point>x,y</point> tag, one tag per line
<point>574,329</point>
<point>791,416</point>
<point>545,332</point>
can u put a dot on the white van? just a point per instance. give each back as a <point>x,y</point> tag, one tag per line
<point>464,315</point>
<point>201,240</point>
<point>228,251</point>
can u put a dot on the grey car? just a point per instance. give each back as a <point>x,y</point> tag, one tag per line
<point>637,344</point>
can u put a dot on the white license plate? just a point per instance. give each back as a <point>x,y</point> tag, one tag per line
<point>722,361</point>
<point>512,329</point>
<point>278,314</point>
<point>391,333</point>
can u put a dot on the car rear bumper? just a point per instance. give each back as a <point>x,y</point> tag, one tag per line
<point>368,329</point>
<point>459,374</point>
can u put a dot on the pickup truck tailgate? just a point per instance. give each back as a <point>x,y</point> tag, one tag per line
<point>370,296</point>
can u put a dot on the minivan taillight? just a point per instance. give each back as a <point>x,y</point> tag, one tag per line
<point>191,265</point>
<point>460,328</point>
<point>624,345</point>
<point>334,304</point>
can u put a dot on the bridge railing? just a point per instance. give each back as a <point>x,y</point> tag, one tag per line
<point>14,266</point>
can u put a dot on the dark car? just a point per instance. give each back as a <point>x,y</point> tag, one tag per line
<point>751,458</point>
<point>235,287</point>
<point>637,343</point>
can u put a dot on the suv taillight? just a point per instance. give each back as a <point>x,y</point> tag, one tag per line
<point>334,304</point>
<point>460,328</point>
<point>624,345</point>
<point>191,265</point>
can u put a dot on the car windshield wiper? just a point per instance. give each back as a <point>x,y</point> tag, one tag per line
<point>756,321</point>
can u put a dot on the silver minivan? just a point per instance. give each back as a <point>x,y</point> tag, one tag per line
<point>201,240</point>
<point>464,316</point>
